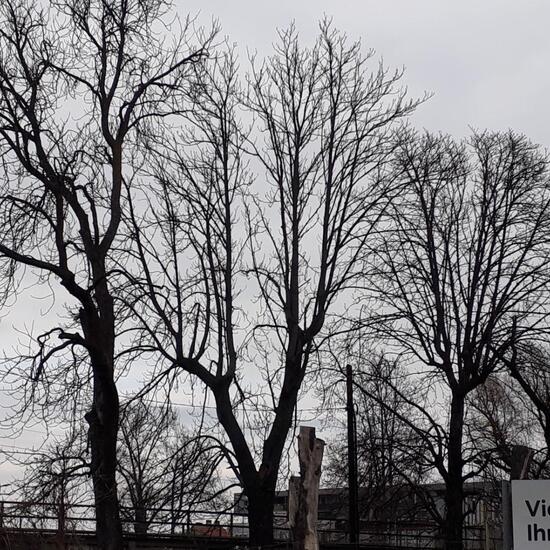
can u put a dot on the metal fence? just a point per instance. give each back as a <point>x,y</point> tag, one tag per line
<point>71,520</point>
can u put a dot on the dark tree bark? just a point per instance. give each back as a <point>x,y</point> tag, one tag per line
<point>98,330</point>
<point>454,495</point>
<point>261,514</point>
<point>140,520</point>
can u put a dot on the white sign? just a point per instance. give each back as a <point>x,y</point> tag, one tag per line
<point>531,514</point>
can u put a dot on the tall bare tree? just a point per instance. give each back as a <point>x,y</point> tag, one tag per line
<point>239,274</point>
<point>78,82</point>
<point>465,260</point>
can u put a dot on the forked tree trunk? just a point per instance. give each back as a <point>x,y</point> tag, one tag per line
<point>259,484</point>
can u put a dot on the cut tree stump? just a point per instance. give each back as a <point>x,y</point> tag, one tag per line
<point>303,494</point>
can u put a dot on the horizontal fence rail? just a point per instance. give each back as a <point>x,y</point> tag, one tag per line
<point>73,520</point>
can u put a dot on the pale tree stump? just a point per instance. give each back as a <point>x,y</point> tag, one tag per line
<point>303,494</point>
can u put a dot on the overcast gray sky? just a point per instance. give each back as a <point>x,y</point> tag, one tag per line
<point>486,61</point>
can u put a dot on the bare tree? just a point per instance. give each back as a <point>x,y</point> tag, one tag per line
<point>528,364</point>
<point>238,278</point>
<point>78,82</point>
<point>466,258</point>
<point>502,418</point>
<point>55,480</point>
<point>165,471</point>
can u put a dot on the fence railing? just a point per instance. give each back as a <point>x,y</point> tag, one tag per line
<point>72,519</point>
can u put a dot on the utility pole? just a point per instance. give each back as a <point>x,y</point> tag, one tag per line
<point>353,496</point>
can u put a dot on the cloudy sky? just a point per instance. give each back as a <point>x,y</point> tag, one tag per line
<point>485,61</point>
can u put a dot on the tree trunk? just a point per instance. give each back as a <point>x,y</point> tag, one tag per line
<point>61,509</point>
<point>454,518</point>
<point>140,520</point>
<point>103,420</point>
<point>259,484</point>
<point>260,517</point>
<point>103,440</point>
